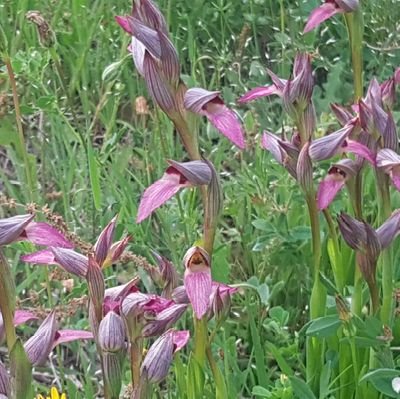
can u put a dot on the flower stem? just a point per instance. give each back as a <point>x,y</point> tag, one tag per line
<point>136,359</point>
<point>221,391</point>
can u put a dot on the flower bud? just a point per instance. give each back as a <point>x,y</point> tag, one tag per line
<point>104,242</point>
<point>179,295</point>
<point>71,261</point>
<point>167,276</point>
<point>112,336</point>
<point>95,281</point>
<point>221,300</point>
<point>39,346</point>
<point>156,364</point>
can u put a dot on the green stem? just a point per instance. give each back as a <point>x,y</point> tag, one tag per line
<point>221,391</point>
<point>355,27</point>
<point>200,341</point>
<point>7,301</point>
<point>337,265</point>
<point>136,359</point>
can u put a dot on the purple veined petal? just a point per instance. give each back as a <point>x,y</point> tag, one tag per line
<point>159,193</point>
<point>40,233</point>
<point>150,15</point>
<point>270,142</point>
<point>343,115</point>
<point>22,316</point>
<point>210,104</point>
<point>197,98</point>
<point>137,50</point>
<point>328,146</point>
<point>359,149</point>
<point>198,288</point>
<point>348,5</point>
<point>180,339</point>
<point>374,93</point>
<point>353,231</point>
<point>169,60</point>
<point>117,249</point>
<point>104,242</point>
<point>328,189</point>
<point>389,230</point>
<point>121,291</point>
<point>366,116</point>
<point>158,88</point>
<point>397,76</point>
<point>39,346</point>
<point>123,22</point>
<point>65,336</point>
<point>196,173</point>
<point>387,159</point>
<point>42,257</point>
<point>390,139</point>
<point>12,228</point>
<point>71,261</point>
<point>259,92</point>
<point>388,88</point>
<point>147,36</point>
<point>278,82</point>
<point>227,122</point>
<point>321,14</point>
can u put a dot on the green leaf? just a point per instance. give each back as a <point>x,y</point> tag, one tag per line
<point>381,379</point>
<point>94,177</point>
<point>301,389</point>
<point>324,327</point>
<point>21,372</point>
<point>261,391</point>
<point>280,315</point>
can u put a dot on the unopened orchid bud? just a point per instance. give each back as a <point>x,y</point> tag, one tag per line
<point>39,346</point>
<point>158,359</point>
<point>388,93</point>
<point>304,169</point>
<point>342,308</point>
<point>164,320</point>
<point>96,286</point>
<point>166,275</point>
<point>343,115</point>
<point>389,134</point>
<point>111,335</point>
<point>221,300</point>
<point>12,228</point>
<point>389,230</point>
<point>179,295</point>
<point>116,251</point>
<point>177,176</point>
<point>197,279</point>
<point>103,244</point>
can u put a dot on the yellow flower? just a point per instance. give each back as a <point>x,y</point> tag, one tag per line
<point>53,395</point>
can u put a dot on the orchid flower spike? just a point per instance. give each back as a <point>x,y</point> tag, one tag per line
<point>177,176</point>
<point>338,174</point>
<point>327,10</point>
<point>197,279</point>
<point>209,104</point>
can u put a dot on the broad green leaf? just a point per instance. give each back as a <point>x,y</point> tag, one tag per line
<point>324,327</point>
<point>301,389</point>
<point>381,379</point>
<point>261,391</point>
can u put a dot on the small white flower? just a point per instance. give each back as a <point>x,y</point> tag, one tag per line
<point>396,384</point>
